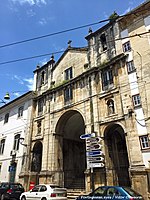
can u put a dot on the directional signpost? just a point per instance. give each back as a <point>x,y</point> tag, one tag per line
<point>94,152</point>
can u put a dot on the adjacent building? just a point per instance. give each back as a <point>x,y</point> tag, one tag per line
<point>15,123</point>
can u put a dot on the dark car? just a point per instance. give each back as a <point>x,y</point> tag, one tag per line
<point>112,192</point>
<point>10,190</point>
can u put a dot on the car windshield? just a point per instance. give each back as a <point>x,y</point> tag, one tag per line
<point>131,192</point>
<point>4,185</point>
<point>17,186</point>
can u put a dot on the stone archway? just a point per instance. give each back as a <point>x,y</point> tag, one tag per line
<point>69,128</point>
<point>117,156</point>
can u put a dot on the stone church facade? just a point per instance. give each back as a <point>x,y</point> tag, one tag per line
<point>101,89</point>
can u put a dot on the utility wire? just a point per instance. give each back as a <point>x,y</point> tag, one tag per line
<point>68,30</point>
<point>58,52</point>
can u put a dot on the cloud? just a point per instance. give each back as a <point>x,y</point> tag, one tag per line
<point>42,21</point>
<point>19,79</point>
<point>29,83</point>
<point>30,2</point>
<point>17,94</point>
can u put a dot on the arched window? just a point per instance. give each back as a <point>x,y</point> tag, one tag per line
<point>110,107</point>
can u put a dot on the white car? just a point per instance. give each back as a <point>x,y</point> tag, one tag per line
<point>45,192</point>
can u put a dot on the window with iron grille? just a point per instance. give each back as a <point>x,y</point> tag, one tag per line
<point>2,145</point>
<point>16,142</point>
<point>68,94</point>
<point>40,106</point>
<point>136,100</point>
<point>107,79</point>
<point>130,66</point>
<point>145,143</point>
<point>126,46</point>
<point>20,111</point>
<point>39,125</point>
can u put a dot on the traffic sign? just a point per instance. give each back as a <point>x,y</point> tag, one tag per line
<point>94,153</point>
<point>95,159</point>
<point>92,165</point>
<point>93,147</point>
<point>86,136</point>
<point>94,140</point>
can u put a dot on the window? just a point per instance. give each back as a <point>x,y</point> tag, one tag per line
<point>107,79</point>
<point>68,93</point>
<point>16,142</point>
<point>2,145</point>
<point>39,128</point>
<point>68,73</point>
<point>40,106</point>
<point>20,111</point>
<point>136,100</point>
<point>144,140</point>
<point>42,77</point>
<point>103,42</point>
<point>130,66</point>
<point>126,46</point>
<point>6,118</point>
<point>110,107</point>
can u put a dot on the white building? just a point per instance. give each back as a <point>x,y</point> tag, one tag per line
<point>15,119</point>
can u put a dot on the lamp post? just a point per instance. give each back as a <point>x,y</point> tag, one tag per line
<point>6,97</point>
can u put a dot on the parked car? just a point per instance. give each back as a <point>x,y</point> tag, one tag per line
<point>10,190</point>
<point>112,192</point>
<point>45,192</point>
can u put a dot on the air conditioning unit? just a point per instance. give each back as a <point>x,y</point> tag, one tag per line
<point>13,152</point>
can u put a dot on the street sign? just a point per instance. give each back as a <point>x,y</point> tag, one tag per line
<point>86,136</point>
<point>95,159</point>
<point>94,140</point>
<point>92,165</point>
<point>94,153</point>
<point>93,147</point>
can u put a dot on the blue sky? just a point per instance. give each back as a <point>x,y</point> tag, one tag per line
<point>25,19</point>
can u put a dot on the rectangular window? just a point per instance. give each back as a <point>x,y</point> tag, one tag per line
<point>40,106</point>
<point>103,42</point>
<point>144,140</point>
<point>136,100</point>
<point>16,142</point>
<point>68,94</point>
<point>20,111</point>
<point>126,46</point>
<point>39,125</point>
<point>107,79</point>
<point>6,118</point>
<point>68,73</point>
<point>2,145</point>
<point>130,66</point>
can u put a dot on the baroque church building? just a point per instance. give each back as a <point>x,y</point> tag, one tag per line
<point>101,89</point>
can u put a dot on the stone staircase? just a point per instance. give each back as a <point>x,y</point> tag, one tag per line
<point>74,193</point>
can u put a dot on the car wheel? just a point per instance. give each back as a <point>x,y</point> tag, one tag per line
<point>23,198</point>
<point>43,198</point>
<point>2,197</point>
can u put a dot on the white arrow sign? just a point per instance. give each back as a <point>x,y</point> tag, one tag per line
<point>92,165</point>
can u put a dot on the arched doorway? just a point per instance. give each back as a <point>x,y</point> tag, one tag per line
<point>37,160</point>
<point>117,160</point>
<point>70,126</point>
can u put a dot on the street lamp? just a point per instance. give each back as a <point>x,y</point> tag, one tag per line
<point>21,140</point>
<point>6,97</point>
